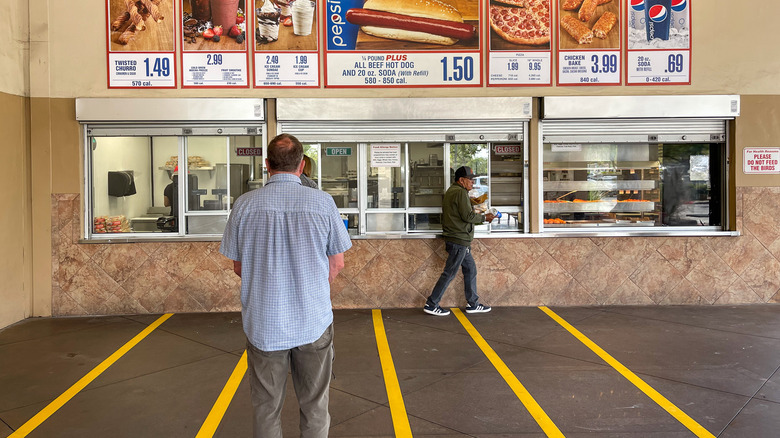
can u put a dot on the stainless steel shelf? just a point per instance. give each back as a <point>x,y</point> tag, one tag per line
<point>598,207</point>
<point>584,186</point>
<point>573,224</point>
<point>586,165</point>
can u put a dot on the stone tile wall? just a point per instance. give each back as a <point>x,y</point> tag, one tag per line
<point>195,277</point>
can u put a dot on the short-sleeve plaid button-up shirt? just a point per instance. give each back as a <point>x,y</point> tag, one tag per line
<point>283,234</point>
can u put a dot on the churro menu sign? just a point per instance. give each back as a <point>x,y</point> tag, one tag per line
<point>387,43</point>
<point>140,43</point>
<point>215,52</point>
<point>520,50</point>
<point>659,42</point>
<point>589,43</point>
<point>286,50</point>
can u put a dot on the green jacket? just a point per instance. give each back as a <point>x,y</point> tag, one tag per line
<point>458,217</point>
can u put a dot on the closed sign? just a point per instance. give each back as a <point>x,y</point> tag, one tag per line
<point>508,149</point>
<point>249,152</point>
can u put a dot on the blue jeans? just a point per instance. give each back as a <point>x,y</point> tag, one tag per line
<point>459,257</point>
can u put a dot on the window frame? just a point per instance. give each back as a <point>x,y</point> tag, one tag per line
<point>181,132</point>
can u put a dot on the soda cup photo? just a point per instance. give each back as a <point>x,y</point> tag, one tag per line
<point>680,15</point>
<point>658,15</point>
<point>636,17</point>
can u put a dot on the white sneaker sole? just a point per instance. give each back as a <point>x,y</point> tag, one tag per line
<point>479,311</point>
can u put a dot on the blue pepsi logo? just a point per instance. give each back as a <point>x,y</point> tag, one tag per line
<point>638,5</point>
<point>658,13</point>
<point>679,5</point>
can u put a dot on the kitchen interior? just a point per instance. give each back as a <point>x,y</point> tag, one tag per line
<point>216,176</point>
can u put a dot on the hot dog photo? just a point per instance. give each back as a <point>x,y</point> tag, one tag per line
<point>410,24</point>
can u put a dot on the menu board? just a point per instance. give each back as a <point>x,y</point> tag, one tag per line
<point>659,42</point>
<point>589,44</point>
<point>519,46</point>
<point>214,46</point>
<point>423,43</point>
<point>286,44</point>
<point>140,44</point>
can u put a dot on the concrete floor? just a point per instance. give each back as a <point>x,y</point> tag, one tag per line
<point>718,365</point>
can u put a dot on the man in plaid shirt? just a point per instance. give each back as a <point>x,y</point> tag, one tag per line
<point>287,242</point>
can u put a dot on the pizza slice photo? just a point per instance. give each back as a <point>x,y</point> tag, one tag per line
<point>520,23</point>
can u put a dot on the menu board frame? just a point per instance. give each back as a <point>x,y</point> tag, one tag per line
<point>519,54</point>
<point>141,83</point>
<point>453,71</point>
<point>599,63</point>
<point>247,20</point>
<point>318,20</point>
<point>630,51</point>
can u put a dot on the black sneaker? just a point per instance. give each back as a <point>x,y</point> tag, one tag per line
<point>435,310</point>
<point>478,308</point>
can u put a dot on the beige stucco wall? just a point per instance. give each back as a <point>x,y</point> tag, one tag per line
<point>757,127</point>
<point>14,50</point>
<point>15,227</point>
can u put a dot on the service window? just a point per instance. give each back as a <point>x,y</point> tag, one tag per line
<point>427,183</point>
<point>127,191</point>
<point>633,185</point>
<point>168,184</point>
<point>476,156</point>
<point>386,187</point>
<point>335,169</point>
<point>216,177</point>
<point>507,188</point>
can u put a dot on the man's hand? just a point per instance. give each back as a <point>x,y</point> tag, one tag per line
<point>335,265</point>
<point>489,217</point>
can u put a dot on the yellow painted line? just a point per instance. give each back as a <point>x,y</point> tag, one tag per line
<point>662,401</point>
<point>209,427</point>
<point>394,397</point>
<point>47,412</point>
<point>536,411</point>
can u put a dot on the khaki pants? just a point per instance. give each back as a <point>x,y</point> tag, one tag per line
<point>311,366</point>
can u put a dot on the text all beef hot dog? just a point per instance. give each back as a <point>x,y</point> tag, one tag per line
<point>428,21</point>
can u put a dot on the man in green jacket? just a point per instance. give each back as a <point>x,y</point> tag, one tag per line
<point>458,220</point>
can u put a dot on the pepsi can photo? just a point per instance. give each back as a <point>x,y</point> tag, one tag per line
<point>680,14</point>
<point>636,19</point>
<point>658,18</point>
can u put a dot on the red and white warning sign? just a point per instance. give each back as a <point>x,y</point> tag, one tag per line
<point>762,160</point>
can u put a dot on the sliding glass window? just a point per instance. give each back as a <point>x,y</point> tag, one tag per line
<point>633,185</point>
<point>167,185</point>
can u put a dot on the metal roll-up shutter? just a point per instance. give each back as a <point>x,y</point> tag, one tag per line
<point>407,130</point>
<point>132,130</point>
<point>634,130</point>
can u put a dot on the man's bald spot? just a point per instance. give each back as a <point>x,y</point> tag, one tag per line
<point>285,153</point>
